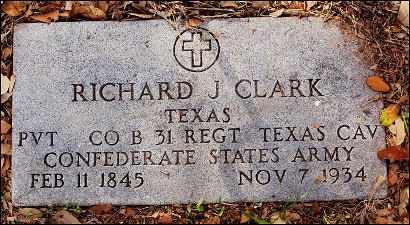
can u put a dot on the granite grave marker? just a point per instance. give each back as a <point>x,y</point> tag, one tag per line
<point>251,109</point>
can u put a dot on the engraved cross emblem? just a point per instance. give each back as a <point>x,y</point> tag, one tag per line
<point>196,46</point>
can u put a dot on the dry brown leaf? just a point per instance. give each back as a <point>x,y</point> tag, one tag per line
<point>5,84</point>
<point>5,53</point>
<point>293,216</point>
<point>6,165</point>
<point>68,5</point>
<point>361,35</point>
<point>144,16</point>
<point>244,219</point>
<point>193,22</point>
<point>310,4</point>
<point>400,35</point>
<point>373,67</point>
<point>5,127</point>
<point>397,129</point>
<point>403,15</point>
<point>103,5</point>
<point>389,114</point>
<point>13,8</point>
<point>46,18</point>
<point>394,152</point>
<point>101,209</point>
<point>392,178</point>
<point>12,81</point>
<point>277,13</point>
<point>165,219</point>
<point>402,210</point>
<point>260,4</point>
<point>382,220</point>
<point>164,172</point>
<point>30,212</point>
<point>404,196</point>
<point>316,207</point>
<point>88,12</point>
<point>5,97</point>
<point>212,220</point>
<point>129,212</point>
<point>377,84</point>
<point>276,219</point>
<point>64,217</point>
<point>229,4</point>
<point>5,149</point>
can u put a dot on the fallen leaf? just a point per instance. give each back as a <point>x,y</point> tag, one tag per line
<point>244,217</point>
<point>394,152</point>
<point>101,209</point>
<point>404,196</point>
<point>293,216</point>
<point>316,207</point>
<point>64,217</point>
<point>403,15</point>
<point>193,22</point>
<point>377,84</point>
<point>164,172</point>
<point>5,127</point>
<point>5,53</point>
<point>400,35</point>
<point>30,212</point>
<point>68,5</point>
<point>46,18</point>
<point>397,129</point>
<point>402,210</point>
<point>88,12</point>
<point>5,149</point>
<point>393,177</point>
<point>277,13</point>
<point>102,5</point>
<point>213,220</point>
<point>144,16</point>
<point>229,4</point>
<point>361,35</point>
<point>382,220</point>
<point>373,67</point>
<point>165,219</point>
<point>5,97</point>
<point>129,212</point>
<point>5,83</point>
<point>6,165</point>
<point>276,219</point>
<point>12,81</point>
<point>310,4</point>
<point>389,114</point>
<point>13,8</point>
<point>260,4</point>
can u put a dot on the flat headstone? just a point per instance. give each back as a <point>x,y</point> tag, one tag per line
<point>253,109</point>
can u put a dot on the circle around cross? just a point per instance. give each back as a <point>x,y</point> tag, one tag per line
<point>189,53</point>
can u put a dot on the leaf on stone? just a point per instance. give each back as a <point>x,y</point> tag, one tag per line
<point>64,217</point>
<point>88,12</point>
<point>5,127</point>
<point>13,8</point>
<point>394,152</point>
<point>377,84</point>
<point>165,219</point>
<point>193,22</point>
<point>101,209</point>
<point>164,172</point>
<point>397,129</point>
<point>229,4</point>
<point>46,18</point>
<point>30,212</point>
<point>277,13</point>
<point>5,53</point>
<point>5,83</point>
<point>389,114</point>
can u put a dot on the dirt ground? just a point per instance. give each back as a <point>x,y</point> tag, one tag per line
<point>384,46</point>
